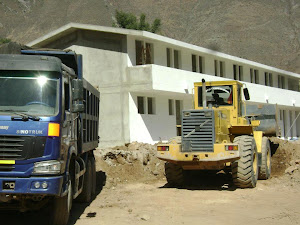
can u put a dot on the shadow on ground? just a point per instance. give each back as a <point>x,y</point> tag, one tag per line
<point>206,180</point>
<point>41,216</point>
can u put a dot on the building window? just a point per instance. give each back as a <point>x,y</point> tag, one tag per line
<point>201,64</point>
<point>197,63</point>
<point>173,58</point>
<point>141,105</point>
<point>171,107</point>
<point>194,63</point>
<point>144,53</point>
<point>169,57</point>
<point>178,108</point>
<point>216,67</point>
<point>139,52</point>
<point>219,68</point>
<point>237,72</point>
<point>149,53</point>
<point>222,65</point>
<point>251,76</point>
<point>256,76</point>
<point>281,81</point>
<point>151,105</point>
<point>268,79</point>
<point>176,59</point>
<point>293,84</point>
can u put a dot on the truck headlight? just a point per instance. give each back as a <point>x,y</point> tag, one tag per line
<point>47,167</point>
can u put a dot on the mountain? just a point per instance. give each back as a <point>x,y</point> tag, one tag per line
<point>265,31</point>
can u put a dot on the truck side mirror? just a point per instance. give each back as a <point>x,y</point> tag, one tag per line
<point>246,94</point>
<point>77,108</point>
<point>77,89</point>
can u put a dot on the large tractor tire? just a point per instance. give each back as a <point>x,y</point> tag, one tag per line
<point>265,168</point>
<point>86,194</point>
<point>245,170</point>
<point>174,174</point>
<point>61,208</point>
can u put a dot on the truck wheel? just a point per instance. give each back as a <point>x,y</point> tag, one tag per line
<point>265,168</point>
<point>94,185</point>
<point>174,174</point>
<point>86,194</point>
<point>62,207</point>
<point>245,170</point>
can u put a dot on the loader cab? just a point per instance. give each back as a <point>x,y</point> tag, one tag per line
<point>221,95</point>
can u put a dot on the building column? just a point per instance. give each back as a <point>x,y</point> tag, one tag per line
<point>297,124</point>
<point>286,121</point>
<point>293,122</point>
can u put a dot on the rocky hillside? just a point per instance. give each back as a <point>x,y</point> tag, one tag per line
<point>265,31</point>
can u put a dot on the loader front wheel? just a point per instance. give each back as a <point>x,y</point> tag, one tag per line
<point>265,168</point>
<point>245,170</point>
<point>174,174</point>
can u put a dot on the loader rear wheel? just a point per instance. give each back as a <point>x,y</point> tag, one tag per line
<point>265,168</point>
<point>174,174</point>
<point>245,170</point>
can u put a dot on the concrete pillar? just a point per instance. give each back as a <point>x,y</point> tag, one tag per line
<point>293,122</point>
<point>298,123</point>
<point>286,121</point>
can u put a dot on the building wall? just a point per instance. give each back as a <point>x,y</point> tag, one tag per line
<point>159,126</point>
<point>105,69</point>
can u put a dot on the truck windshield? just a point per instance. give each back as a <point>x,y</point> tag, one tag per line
<point>32,95</point>
<point>216,95</point>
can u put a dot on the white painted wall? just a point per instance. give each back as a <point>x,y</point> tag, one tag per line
<point>105,70</point>
<point>160,126</point>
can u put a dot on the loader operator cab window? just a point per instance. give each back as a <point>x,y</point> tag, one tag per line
<point>216,95</point>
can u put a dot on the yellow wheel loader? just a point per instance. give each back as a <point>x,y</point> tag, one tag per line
<point>222,131</point>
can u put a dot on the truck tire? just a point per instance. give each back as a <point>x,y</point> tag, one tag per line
<point>174,174</point>
<point>94,185</point>
<point>265,168</point>
<point>245,170</point>
<point>62,207</point>
<point>86,194</point>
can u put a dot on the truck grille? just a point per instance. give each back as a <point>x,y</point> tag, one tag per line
<point>11,147</point>
<point>198,132</point>
<point>21,147</point>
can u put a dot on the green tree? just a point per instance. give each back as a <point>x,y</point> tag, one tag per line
<point>4,40</point>
<point>130,21</point>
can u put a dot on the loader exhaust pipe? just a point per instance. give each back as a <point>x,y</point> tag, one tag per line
<point>204,94</point>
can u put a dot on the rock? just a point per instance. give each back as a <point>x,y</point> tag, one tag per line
<point>145,217</point>
<point>291,169</point>
<point>124,148</point>
<point>133,146</point>
<point>155,173</point>
<point>146,159</point>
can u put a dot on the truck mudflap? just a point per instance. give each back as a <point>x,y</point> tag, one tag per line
<point>31,185</point>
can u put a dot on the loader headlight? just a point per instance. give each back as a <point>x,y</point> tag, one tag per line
<point>47,167</point>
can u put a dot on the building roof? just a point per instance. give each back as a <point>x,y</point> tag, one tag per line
<point>71,27</point>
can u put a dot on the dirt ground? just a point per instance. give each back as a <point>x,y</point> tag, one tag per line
<point>132,190</point>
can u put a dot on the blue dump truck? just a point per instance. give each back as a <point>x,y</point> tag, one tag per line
<point>49,118</point>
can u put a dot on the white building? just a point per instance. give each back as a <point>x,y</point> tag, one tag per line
<point>146,80</point>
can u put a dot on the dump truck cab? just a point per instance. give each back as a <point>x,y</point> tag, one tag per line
<point>210,132</point>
